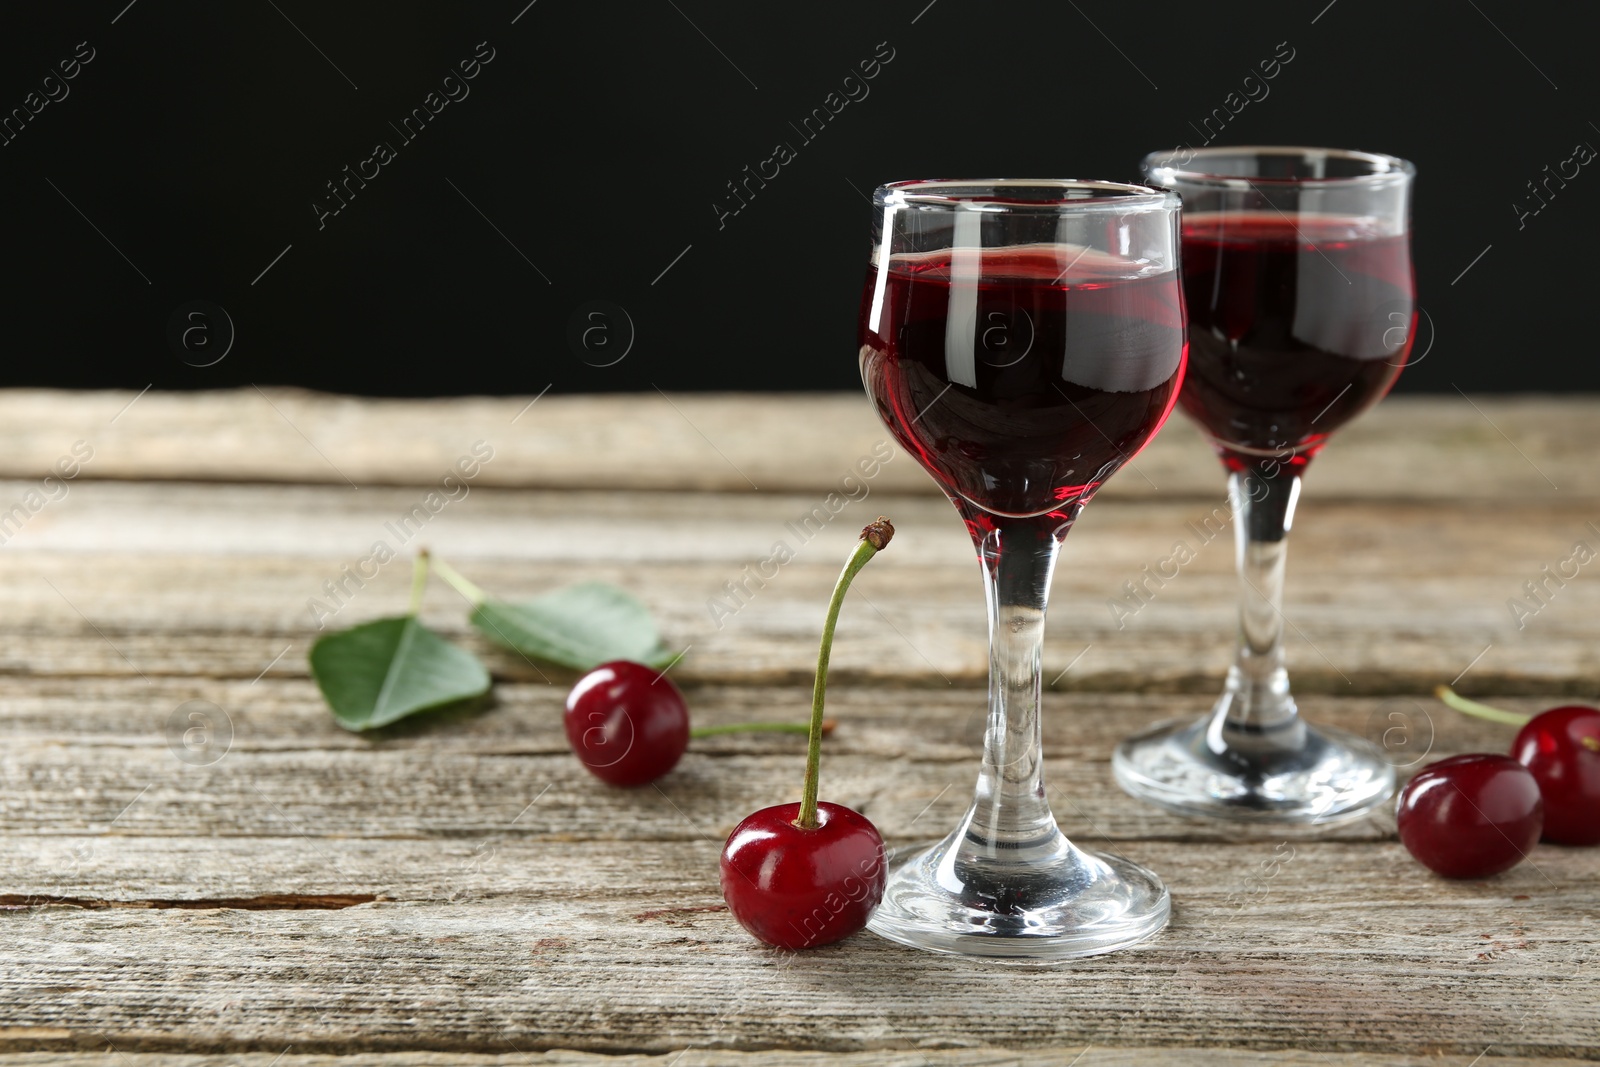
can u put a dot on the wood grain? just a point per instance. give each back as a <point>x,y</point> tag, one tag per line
<point>481,923</point>
<point>288,768</point>
<point>1442,448</point>
<point>1076,1056</point>
<point>509,950</point>
<point>192,580</point>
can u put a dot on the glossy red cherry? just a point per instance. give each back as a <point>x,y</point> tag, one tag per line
<point>1470,816</point>
<point>797,888</point>
<point>627,723</point>
<point>1561,748</point>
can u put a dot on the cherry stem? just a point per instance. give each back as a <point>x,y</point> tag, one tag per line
<point>419,582</point>
<point>761,728</point>
<point>874,537</point>
<point>459,584</point>
<point>1481,711</point>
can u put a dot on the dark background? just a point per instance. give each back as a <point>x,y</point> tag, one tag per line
<point>594,144</point>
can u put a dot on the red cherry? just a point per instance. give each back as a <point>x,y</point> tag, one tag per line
<point>627,723</point>
<point>1470,816</point>
<point>797,888</point>
<point>1561,748</point>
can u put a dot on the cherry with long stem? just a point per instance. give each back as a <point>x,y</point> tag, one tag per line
<point>808,874</point>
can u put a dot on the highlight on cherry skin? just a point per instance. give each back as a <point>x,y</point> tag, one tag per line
<point>1470,816</point>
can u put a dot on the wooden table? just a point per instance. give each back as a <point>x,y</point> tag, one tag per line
<point>463,892</point>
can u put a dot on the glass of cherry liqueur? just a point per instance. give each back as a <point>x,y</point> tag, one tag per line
<point>1022,340</point>
<point>1300,299</point>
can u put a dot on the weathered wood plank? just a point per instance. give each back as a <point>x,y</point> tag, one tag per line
<point>548,945</point>
<point>214,582</point>
<point>1229,882</point>
<point>1088,1056</point>
<point>287,714</point>
<point>1408,447</point>
<point>101,756</point>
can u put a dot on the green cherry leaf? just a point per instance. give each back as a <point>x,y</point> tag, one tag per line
<point>381,671</point>
<point>579,626</point>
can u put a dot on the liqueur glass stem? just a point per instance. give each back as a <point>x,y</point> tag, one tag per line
<point>1256,702</point>
<point>1010,813</point>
